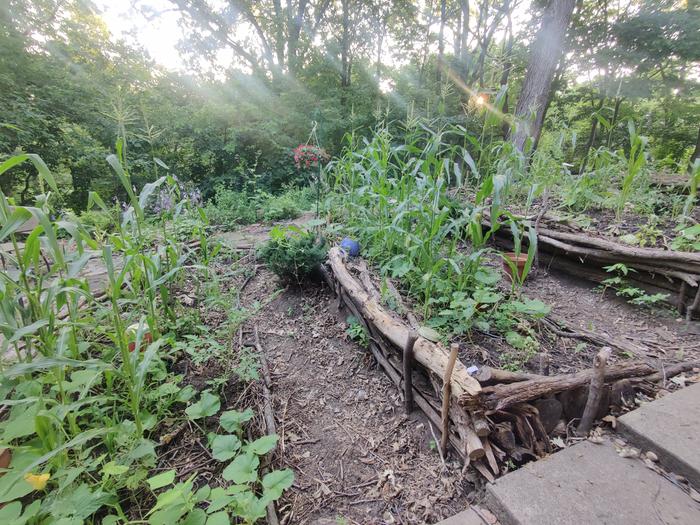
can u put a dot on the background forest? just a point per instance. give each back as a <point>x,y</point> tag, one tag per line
<point>69,89</point>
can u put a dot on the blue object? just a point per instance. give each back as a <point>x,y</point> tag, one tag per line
<point>350,246</point>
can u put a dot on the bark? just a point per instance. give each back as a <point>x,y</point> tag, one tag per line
<point>490,376</point>
<point>696,152</point>
<point>345,48</point>
<point>591,136</point>
<point>595,391</point>
<point>441,40</point>
<point>545,55</point>
<point>431,356</point>
<point>616,113</point>
<point>499,397</point>
<point>463,54</point>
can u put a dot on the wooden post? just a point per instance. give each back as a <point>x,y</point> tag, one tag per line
<point>408,371</point>
<point>446,392</point>
<point>595,390</point>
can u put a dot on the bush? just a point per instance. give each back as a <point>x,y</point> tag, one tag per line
<point>292,253</point>
<point>231,208</point>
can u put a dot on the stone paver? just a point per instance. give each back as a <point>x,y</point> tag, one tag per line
<point>466,517</point>
<point>670,427</point>
<point>589,484</point>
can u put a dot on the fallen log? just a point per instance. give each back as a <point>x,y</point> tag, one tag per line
<point>499,397</point>
<point>490,376</point>
<point>432,356</point>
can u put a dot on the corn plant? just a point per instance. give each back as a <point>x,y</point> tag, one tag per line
<point>635,162</point>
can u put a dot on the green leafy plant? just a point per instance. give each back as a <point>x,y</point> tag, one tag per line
<point>357,332</point>
<point>292,253</point>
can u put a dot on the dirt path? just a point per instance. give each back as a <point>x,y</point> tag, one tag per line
<point>356,456</point>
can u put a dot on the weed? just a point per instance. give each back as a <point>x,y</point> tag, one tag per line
<point>357,332</point>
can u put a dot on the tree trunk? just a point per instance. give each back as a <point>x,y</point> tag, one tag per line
<point>591,136</point>
<point>616,113</point>
<point>441,40</point>
<point>463,66</point>
<point>545,55</point>
<point>696,153</point>
<point>345,51</point>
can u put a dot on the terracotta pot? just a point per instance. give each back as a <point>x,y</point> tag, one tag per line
<point>5,459</point>
<point>518,260</point>
<point>147,340</point>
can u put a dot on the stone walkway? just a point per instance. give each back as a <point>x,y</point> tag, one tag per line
<point>591,483</point>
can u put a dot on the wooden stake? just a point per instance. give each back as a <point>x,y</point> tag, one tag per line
<point>408,371</point>
<point>595,390</point>
<point>446,391</point>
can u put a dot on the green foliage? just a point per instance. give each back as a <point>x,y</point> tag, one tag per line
<point>90,383</point>
<point>292,253</point>
<point>394,198</point>
<point>357,332</point>
<point>624,289</point>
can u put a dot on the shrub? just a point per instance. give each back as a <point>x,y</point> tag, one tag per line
<point>292,253</point>
<point>230,208</point>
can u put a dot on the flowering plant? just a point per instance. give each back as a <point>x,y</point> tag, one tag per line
<point>308,156</point>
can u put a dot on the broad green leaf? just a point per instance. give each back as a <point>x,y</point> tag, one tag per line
<point>225,447</point>
<point>208,405</point>
<point>232,420</point>
<point>243,469</point>
<point>276,482</point>
<point>195,517</point>
<point>161,480</point>
<point>218,518</point>
<point>262,445</point>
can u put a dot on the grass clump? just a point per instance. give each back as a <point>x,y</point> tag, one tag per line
<point>293,253</point>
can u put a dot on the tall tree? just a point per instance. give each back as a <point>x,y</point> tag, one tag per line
<point>545,54</point>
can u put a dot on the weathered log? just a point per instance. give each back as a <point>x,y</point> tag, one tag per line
<point>454,353</point>
<point>407,364</point>
<point>498,397</point>
<point>667,372</point>
<point>431,356</point>
<point>402,305</point>
<point>623,249</point>
<point>491,376</point>
<point>595,390</point>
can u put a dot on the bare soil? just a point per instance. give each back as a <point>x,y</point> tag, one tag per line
<point>357,457</point>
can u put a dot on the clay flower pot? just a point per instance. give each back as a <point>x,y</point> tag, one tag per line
<point>131,332</point>
<point>518,260</point>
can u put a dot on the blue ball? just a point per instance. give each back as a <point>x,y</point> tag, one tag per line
<point>351,247</point>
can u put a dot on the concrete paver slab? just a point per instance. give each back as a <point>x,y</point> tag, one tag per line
<point>466,517</point>
<point>670,427</point>
<point>589,483</point>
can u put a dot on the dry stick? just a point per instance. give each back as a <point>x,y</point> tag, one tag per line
<point>667,372</point>
<point>408,371</point>
<point>595,390</point>
<point>269,415</point>
<point>446,391</point>
<point>681,298</point>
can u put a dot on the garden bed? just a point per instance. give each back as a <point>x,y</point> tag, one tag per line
<point>506,416</point>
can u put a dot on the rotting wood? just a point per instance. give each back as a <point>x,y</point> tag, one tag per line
<point>487,375</point>
<point>595,390</point>
<point>667,372</point>
<point>498,397</point>
<point>431,356</point>
<point>446,393</point>
<point>408,371</point>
